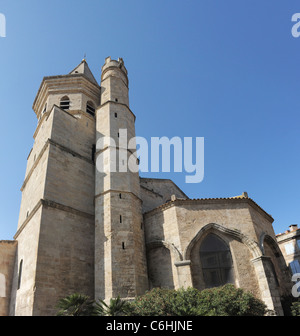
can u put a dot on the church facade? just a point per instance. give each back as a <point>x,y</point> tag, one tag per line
<point>114,233</point>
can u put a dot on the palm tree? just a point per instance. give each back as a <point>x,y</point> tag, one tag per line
<point>116,307</point>
<point>75,305</point>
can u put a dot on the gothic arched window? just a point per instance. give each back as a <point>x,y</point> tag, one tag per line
<point>216,262</point>
<point>65,103</point>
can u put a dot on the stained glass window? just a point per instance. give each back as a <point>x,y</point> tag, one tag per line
<point>216,262</point>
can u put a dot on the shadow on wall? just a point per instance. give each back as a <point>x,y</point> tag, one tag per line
<point>160,268</point>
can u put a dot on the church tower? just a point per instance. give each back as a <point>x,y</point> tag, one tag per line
<point>55,236</point>
<point>80,227</point>
<point>120,259</point>
<point>89,224</point>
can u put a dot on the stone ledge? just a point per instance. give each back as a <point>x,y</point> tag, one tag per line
<point>51,204</point>
<point>213,201</point>
<point>182,263</point>
<point>8,241</point>
<point>118,103</point>
<point>117,191</point>
<point>57,145</point>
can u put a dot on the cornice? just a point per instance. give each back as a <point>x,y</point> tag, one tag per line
<point>234,200</point>
<point>61,147</point>
<point>118,103</point>
<point>51,204</point>
<point>75,83</point>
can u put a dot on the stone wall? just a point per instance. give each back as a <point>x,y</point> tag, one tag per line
<point>23,287</point>
<point>65,262</point>
<point>181,226</point>
<point>7,260</point>
<point>155,192</point>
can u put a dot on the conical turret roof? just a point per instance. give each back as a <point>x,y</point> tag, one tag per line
<point>83,68</point>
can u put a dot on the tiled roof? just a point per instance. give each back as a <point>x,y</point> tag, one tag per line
<point>236,199</point>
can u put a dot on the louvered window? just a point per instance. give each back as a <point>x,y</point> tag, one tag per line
<point>65,103</point>
<point>90,108</point>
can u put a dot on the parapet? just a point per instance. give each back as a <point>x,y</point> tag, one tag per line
<point>114,68</point>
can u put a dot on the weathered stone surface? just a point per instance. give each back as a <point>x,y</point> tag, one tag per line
<point>7,259</point>
<point>108,233</point>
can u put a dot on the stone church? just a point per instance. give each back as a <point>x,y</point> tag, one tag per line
<point>115,233</point>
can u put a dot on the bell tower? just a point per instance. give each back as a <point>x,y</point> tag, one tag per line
<point>55,235</point>
<point>120,259</point>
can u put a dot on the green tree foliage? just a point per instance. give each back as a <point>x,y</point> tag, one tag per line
<point>156,302</point>
<point>295,308</point>
<point>222,301</point>
<point>230,301</point>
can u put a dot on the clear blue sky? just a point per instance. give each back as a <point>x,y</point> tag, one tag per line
<point>228,71</point>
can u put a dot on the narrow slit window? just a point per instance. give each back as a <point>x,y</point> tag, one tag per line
<point>65,103</point>
<point>93,153</point>
<point>116,115</point>
<point>20,273</point>
<point>90,108</point>
<point>120,218</point>
<point>123,245</point>
<point>45,109</point>
<point>120,196</point>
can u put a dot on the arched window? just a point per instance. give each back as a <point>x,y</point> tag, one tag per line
<point>216,262</point>
<point>65,103</point>
<point>90,108</point>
